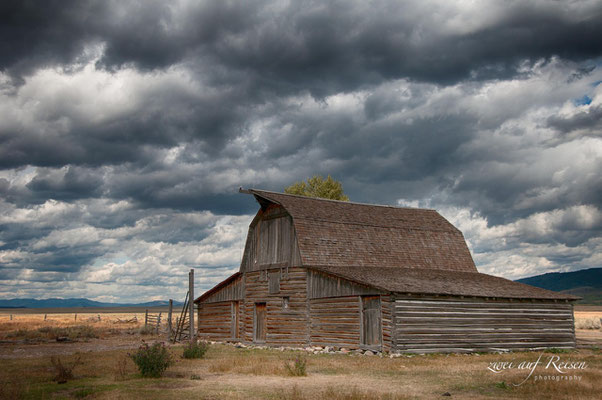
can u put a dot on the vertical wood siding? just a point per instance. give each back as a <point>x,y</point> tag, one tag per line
<point>454,325</point>
<point>371,322</point>
<point>322,285</point>
<point>284,326</point>
<point>231,291</point>
<point>271,242</point>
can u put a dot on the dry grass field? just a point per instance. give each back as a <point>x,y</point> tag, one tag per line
<point>40,320</point>
<point>105,371</point>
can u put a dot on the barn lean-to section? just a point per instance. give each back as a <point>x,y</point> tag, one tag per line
<point>453,325</point>
<point>327,273</point>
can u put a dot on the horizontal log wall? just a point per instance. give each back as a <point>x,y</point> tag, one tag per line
<point>424,325</point>
<point>285,326</point>
<point>335,322</point>
<point>215,320</point>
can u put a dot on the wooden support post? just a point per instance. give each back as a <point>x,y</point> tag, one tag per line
<point>11,317</point>
<point>146,317</point>
<point>75,319</point>
<point>45,315</point>
<point>191,302</point>
<point>158,323</point>
<point>169,319</point>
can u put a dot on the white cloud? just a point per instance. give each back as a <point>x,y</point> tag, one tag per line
<point>528,246</point>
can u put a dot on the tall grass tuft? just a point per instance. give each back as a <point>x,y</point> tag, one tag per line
<point>296,367</point>
<point>121,368</point>
<point>64,372</point>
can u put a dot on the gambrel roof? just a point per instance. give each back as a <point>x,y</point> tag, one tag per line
<point>395,249</point>
<point>339,233</point>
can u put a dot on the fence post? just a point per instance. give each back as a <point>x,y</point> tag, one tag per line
<point>45,315</point>
<point>75,317</point>
<point>146,318</point>
<point>169,319</point>
<point>11,317</point>
<point>158,323</point>
<point>191,302</point>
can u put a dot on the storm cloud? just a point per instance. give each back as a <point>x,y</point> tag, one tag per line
<point>126,128</point>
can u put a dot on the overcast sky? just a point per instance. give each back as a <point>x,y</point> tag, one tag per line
<point>126,128</point>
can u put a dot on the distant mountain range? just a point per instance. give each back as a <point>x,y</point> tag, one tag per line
<point>586,283</point>
<point>66,303</point>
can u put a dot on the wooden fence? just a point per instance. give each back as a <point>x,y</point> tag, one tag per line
<point>152,321</point>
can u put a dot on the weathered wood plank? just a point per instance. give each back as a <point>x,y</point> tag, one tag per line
<point>324,285</point>
<point>423,325</point>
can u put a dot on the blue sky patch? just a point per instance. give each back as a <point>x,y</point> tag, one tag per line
<point>583,101</point>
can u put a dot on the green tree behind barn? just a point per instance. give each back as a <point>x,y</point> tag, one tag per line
<point>317,186</point>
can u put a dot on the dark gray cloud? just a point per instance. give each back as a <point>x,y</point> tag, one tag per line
<point>126,129</point>
<point>74,183</point>
<point>40,33</point>
<point>325,47</point>
<point>587,122</point>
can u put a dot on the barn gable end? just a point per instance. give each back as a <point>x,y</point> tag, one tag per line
<point>271,241</point>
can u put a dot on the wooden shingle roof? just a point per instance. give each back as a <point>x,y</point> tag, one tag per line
<point>437,282</point>
<point>344,234</point>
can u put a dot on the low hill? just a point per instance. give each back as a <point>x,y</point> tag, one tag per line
<point>586,283</point>
<point>69,303</point>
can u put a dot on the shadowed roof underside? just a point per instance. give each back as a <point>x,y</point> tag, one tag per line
<point>345,234</point>
<point>438,282</point>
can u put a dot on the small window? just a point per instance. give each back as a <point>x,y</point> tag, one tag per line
<point>285,301</point>
<point>274,282</point>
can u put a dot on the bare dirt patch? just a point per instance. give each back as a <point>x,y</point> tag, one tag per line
<point>22,350</point>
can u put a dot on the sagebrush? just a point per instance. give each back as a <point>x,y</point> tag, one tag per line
<point>146,330</point>
<point>196,349</point>
<point>152,361</point>
<point>53,333</point>
<point>588,323</point>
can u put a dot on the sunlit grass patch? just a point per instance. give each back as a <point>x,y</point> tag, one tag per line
<point>231,373</point>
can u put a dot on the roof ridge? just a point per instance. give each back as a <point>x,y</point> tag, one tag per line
<point>345,202</point>
<point>403,268</point>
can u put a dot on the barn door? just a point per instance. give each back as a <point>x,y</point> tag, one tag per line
<point>371,326</point>
<point>259,322</point>
<point>234,319</point>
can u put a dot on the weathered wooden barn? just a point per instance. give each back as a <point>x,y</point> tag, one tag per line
<point>329,273</point>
